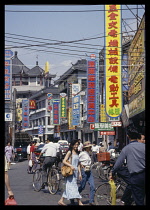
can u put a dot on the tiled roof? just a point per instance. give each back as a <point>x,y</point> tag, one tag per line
<point>35,71</point>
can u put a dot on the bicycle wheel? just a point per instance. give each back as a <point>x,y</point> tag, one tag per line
<point>102,194</point>
<point>53,181</point>
<point>102,173</point>
<point>94,169</point>
<point>37,180</point>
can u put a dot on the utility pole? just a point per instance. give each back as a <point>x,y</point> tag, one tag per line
<point>13,116</point>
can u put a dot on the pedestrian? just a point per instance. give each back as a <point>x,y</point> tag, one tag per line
<point>33,156</point>
<point>95,150</point>
<point>28,157</point>
<point>7,182</point>
<point>50,150</point>
<point>110,146</point>
<point>71,191</point>
<point>86,173</point>
<point>80,147</point>
<point>9,152</point>
<point>134,153</point>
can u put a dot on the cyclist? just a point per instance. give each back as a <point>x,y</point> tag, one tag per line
<point>134,153</point>
<point>50,150</point>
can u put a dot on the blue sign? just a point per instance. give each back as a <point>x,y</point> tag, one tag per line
<point>8,54</point>
<point>76,110</point>
<point>25,113</point>
<point>8,80</point>
<point>40,130</point>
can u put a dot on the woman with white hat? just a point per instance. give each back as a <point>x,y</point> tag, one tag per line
<point>85,161</point>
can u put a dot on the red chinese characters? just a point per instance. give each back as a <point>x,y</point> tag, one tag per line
<point>91,84</point>
<point>113,56</point>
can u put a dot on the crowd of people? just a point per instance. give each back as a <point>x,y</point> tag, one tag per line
<point>81,156</point>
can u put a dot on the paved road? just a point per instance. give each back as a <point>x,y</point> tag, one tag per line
<point>21,184</point>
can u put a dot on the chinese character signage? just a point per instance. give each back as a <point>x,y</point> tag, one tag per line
<point>8,75</point>
<point>103,126</point>
<point>63,111</point>
<point>76,89</point>
<point>92,91</point>
<point>103,113</point>
<point>49,101</point>
<point>56,103</point>
<point>113,84</point>
<point>25,113</point>
<point>40,130</point>
<point>76,110</point>
<point>32,104</point>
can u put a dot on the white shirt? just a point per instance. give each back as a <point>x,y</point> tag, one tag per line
<point>50,149</point>
<point>28,149</point>
<point>58,147</point>
<point>84,158</point>
<point>80,147</point>
<point>95,148</point>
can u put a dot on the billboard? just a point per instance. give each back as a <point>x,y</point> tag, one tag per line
<point>113,44</point>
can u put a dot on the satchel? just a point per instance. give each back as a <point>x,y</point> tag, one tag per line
<point>10,201</point>
<point>66,170</point>
<point>87,168</point>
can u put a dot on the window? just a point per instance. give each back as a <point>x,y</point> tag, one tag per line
<point>24,83</point>
<point>49,121</point>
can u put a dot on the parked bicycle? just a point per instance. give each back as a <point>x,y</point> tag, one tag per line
<point>53,179</point>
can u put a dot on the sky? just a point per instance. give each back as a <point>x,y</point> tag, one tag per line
<point>47,29</point>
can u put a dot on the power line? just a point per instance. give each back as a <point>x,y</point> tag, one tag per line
<point>99,10</point>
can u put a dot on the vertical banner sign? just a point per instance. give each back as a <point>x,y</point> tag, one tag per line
<point>92,90</point>
<point>25,113</point>
<point>76,110</point>
<point>8,75</point>
<point>56,120</point>
<point>97,94</point>
<point>113,83</point>
<point>63,111</point>
<point>49,101</point>
<point>40,130</point>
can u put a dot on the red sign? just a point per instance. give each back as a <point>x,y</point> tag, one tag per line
<point>32,104</point>
<point>107,133</point>
<point>116,124</point>
<point>92,126</point>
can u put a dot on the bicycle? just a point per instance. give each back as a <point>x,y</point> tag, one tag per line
<point>52,179</point>
<point>102,193</point>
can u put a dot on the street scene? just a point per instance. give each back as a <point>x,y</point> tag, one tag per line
<point>75,105</point>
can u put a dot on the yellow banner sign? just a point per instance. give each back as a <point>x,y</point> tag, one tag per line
<point>113,84</point>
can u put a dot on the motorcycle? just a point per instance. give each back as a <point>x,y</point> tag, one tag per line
<point>20,154</point>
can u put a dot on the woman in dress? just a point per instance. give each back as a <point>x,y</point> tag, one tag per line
<point>9,152</point>
<point>71,191</point>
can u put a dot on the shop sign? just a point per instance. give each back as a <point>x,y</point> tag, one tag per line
<point>56,119</point>
<point>92,126</point>
<point>8,116</point>
<point>113,57</point>
<point>49,101</point>
<point>75,89</point>
<point>76,110</point>
<point>8,76</point>
<point>40,130</point>
<point>105,126</point>
<point>109,133</point>
<point>63,102</point>
<point>103,116</point>
<point>32,104</point>
<point>25,113</point>
<point>116,124</point>
<point>92,91</point>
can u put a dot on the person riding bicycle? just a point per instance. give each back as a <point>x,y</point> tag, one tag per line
<point>50,150</point>
<point>134,153</point>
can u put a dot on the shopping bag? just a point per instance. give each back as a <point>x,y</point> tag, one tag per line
<point>10,201</point>
<point>30,163</point>
<point>112,192</point>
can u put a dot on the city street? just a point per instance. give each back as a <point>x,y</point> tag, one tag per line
<point>21,184</point>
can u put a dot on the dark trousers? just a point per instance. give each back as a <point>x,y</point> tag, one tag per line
<point>125,175</point>
<point>138,187</point>
<point>48,162</point>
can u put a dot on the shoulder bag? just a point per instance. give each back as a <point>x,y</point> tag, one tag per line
<point>66,170</point>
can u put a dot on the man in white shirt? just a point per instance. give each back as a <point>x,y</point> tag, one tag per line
<point>87,176</point>
<point>95,150</point>
<point>50,150</point>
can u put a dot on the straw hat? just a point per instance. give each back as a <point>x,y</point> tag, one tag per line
<point>87,144</point>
